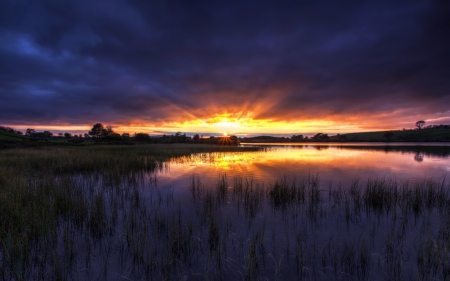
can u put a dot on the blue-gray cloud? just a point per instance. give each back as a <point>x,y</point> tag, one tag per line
<point>112,61</point>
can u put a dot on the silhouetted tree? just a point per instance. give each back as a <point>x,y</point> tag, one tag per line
<point>5,128</point>
<point>297,138</point>
<point>28,132</point>
<point>321,137</point>
<point>10,130</point>
<point>196,137</point>
<point>141,137</point>
<point>420,124</point>
<point>96,130</point>
<point>67,135</point>
<point>178,137</point>
<point>108,132</point>
<point>42,135</point>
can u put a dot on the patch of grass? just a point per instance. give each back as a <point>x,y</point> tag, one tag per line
<point>8,136</point>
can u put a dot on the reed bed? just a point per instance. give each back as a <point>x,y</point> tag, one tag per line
<point>99,214</point>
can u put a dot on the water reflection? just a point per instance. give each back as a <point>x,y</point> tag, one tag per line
<point>342,173</point>
<point>333,163</point>
<point>418,157</point>
<point>429,151</point>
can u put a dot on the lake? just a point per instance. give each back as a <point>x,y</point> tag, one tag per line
<point>334,163</point>
<point>303,211</point>
<point>367,222</point>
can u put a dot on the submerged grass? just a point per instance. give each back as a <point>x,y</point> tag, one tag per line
<point>82,214</point>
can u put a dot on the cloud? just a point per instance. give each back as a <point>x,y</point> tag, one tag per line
<point>146,62</point>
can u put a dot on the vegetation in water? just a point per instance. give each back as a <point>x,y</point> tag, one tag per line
<point>97,213</point>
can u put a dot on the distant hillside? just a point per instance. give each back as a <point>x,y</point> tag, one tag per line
<point>424,135</point>
<point>9,136</point>
<point>265,139</point>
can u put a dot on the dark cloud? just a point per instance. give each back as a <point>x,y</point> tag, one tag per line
<point>114,61</point>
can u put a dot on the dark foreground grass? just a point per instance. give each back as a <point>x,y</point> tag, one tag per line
<point>96,214</point>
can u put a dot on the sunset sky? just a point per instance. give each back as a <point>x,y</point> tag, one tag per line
<point>242,67</point>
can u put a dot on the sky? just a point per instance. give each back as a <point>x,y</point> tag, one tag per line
<point>241,67</point>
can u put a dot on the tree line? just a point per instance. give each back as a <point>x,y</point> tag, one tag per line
<point>101,133</point>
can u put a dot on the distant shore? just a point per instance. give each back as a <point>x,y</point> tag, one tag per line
<point>423,135</point>
<point>10,138</point>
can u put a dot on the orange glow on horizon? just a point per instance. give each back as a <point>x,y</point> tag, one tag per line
<point>239,123</point>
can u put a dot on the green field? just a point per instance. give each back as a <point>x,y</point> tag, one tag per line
<point>7,136</point>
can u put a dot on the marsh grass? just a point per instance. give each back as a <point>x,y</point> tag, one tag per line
<point>83,214</point>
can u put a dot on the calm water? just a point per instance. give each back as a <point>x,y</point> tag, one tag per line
<point>333,163</point>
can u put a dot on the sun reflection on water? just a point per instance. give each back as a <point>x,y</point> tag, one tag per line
<point>331,163</point>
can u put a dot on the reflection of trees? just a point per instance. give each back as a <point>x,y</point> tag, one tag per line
<point>321,147</point>
<point>418,157</point>
<point>424,151</point>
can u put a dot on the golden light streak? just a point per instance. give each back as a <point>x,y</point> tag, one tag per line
<point>241,123</point>
<point>225,124</point>
<point>232,124</point>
